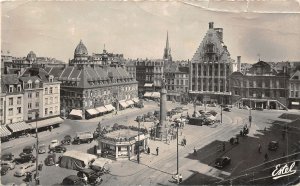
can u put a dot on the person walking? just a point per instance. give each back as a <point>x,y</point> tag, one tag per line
<point>157,151</point>
<point>180,178</point>
<point>266,157</point>
<point>259,148</point>
<point>195,152</point>
<point>148,150</point>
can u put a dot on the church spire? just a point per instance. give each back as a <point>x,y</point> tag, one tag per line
<point>167,52</point>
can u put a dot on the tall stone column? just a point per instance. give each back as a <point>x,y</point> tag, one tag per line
<point>162,119</point>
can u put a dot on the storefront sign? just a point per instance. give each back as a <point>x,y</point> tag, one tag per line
<point>283,170</point>
<point>295,103</point>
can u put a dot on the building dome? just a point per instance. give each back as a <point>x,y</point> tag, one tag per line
<point>31,56</point>
<point>80,50</point>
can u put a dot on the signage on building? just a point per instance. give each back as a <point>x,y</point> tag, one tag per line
<point>295,103</point>
<point>282,170</point>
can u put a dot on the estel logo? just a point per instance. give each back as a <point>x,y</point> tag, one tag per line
<point>282,171</point>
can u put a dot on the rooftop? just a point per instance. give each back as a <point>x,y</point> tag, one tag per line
<point>122,133</point>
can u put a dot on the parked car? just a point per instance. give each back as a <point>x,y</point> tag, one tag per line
<point>139,118</point>
<point>7,157</point>
<point>273,145</point>
<point>72,180</point>
<point>227,109</point>
<point>28,167</point>
<point>42,149</point>
<point>4,169</point>
<point>53,144</point>
<point>25,159</point>
<point>11,165</point>
<point>28,149</point>
<point>50,160</point>
<point>222,162</point>
<point>67,140</point>
<point>92,176</point>
<point>58,149</point>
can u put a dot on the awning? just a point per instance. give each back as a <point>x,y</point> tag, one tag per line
<point>142,137</point>
<point>136,100</point>
<point>123,104</point>
<point>46,122</point>
<point>16,127</point>
<point>148,94</point>
<point>129,102</point>
<point>101,109</point>
<point>155,95</point>
<point>110,107</point>
<point>148,85</point>
<point>4,131</point>
<point>92,111</point>
<point>75,112</point>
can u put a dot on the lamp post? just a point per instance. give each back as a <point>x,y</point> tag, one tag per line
<point>138,156</point>
<point>177,126</point>
<point>37,179</point>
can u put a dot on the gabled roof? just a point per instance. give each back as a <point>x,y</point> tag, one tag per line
<point>10,79</point>
<point>27,78</point>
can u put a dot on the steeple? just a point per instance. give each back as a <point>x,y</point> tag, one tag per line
<point>167,51</point>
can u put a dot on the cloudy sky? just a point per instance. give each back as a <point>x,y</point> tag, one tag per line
<point>138,30</point>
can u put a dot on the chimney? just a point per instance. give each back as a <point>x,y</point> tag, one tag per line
<point>211,25</point>
<point>239,63</point>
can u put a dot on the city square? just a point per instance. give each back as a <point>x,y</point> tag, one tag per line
<point>214,110</point>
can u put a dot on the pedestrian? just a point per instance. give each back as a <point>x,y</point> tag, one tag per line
<point>148,150</point>
<point>266,157</point>
<point>176,178</point>
<point>259,148</point>
<point>223,146</point>
<point>51,128</point>
<point>195,152</point>
<point>180,178</point>
<point>157,151</point>
<point>95,149</point>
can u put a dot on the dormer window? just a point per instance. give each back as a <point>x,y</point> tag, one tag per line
<point>11,87</point>
<point>30,84</point>
<point>51,78</point>
<point>19,88</point>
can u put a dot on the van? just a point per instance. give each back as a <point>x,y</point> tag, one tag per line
<point>28,167</point>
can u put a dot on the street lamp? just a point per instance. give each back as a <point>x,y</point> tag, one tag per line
<point>37,179</point>
<point>177,126</point>
<point>138,156</point>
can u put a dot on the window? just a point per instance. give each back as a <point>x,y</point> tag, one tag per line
<point>29,105</point>
<point>19,88</point>
<point>10,101</point>
<point>51,110</point>
<point>46,111</point>
<point>19,110</point>
<point>46,101</point>
<point>37,94</point>
<point>51,90</point>
<point>10,111</point>
<point>1,112</point>
<point>19,99</point>
<point>11,88</point>
<point>46,90</point>
<point>29,85</point>
<point>1,101</point>
<point>29,95</point>
<point>37,104</point>
<point>51,100</point>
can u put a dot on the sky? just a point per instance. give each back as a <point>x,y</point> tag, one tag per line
<point>138,30</point>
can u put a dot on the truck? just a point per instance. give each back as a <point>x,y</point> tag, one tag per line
<point>83,137</point>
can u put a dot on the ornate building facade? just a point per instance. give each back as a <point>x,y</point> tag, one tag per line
<point>210,68</point>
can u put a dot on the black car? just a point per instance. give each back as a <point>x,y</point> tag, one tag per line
<point>67,140</point>
<point>92,176</point>
<point>72,180</point>
<point>28,149</point>
<point>58,149</point>
<point>227,109</point>
<point>222,162</point>
<point>25,159</point>
<point>4,169</point>
<point>7,157</point>
<point>273,145</point>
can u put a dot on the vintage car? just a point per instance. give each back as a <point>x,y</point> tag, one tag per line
<point>42,149</point>
<point>11,165</point>
<point>4,169</point>
<point>273,145</point>
<point>25,159</point>
<point>58,149</point>
<point>67,140</point>
<point>50,160</point>
<point>72,180</point>
<point>28,167</point>
<point>28,149</point>
<point>93,177</point>
<point>222,162</point>
<point>7,157</point>
<point>53,144</point>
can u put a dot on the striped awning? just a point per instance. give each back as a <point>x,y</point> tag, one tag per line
<point>20,126</point>
<point>148,94</point>
<point>129,102</point>
<point>92,111</point>
<point>46,122</point>
<point>123,104</point>
<point>76,112</point>
<point>136,100</point>
<point>4,131</point>
<point>110,107</point>
<point>101,109</point>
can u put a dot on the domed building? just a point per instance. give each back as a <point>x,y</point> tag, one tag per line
<point>31,57</point>
<point>80,54</point>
